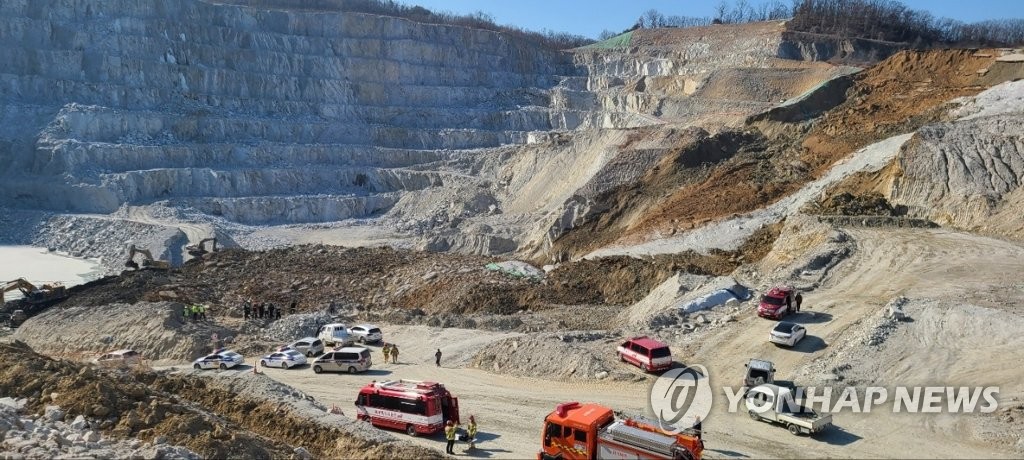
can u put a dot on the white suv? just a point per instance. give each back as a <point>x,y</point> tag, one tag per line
<point>309,346</point>
<point>366,333</point>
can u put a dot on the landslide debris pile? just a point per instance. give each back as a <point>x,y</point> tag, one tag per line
<point>54,435</point>
<point>376,278</point>
<point>155,329</point>
<point>208,418</point>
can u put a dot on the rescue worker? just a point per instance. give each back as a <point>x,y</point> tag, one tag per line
<point>202,312</point>
<point>246,309</point>
<point>270,310</point>
<point>394,354</point>
<point>387,352</point>
<point>437,358</point>
<point>449,434</point>
<point>799,299</point>
<point>471,432</point>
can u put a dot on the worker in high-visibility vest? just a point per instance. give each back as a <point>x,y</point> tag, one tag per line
<point>471,432</point>
<point>449,433</point>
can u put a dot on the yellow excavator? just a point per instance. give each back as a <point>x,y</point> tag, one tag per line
<point>147,259</point>
<point>33,294</point>
<point>197,250</point>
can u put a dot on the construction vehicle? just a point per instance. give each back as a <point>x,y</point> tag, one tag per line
<point>592,431</point>
<point>33,294</point>
<point>197,250</point>
<point>776,404</point>
<point>147,260</point>
<point>16,318</point>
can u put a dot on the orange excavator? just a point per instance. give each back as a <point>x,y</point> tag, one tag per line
<point>33,294</point>
<point>591,431</point>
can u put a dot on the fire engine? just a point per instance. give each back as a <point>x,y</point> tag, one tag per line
<point>591,431</point>
<point>414,406</point>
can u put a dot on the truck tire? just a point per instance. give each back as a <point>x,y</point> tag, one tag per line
<point>793,429</point>
<point>317,369</point>
<point>754,415</point>
<point>410,430</point>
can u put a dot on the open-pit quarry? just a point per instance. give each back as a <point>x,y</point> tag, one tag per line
<point>522,209</point>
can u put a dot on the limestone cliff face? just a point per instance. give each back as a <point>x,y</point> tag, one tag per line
<point>112,102</point>
<point>461,139</point>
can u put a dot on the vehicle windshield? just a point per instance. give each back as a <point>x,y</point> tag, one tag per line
<point>773,300</point>
<point>784,327</point>
<point>660,352</point>
<point>374,330</point>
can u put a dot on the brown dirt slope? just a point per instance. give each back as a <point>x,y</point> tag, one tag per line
<point>896,96</point>
<point>379,278</point>
<point>187,411</point>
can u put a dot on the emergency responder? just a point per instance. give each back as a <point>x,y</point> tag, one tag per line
<point>394,353</point>
<point>471,432</point>
<point>387,352</point>
<point>449,434</point>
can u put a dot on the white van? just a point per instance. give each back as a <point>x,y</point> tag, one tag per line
<point>348,359</point>
<point>335,335</point>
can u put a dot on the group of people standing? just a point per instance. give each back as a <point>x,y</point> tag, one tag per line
<point>195,312</point>
<point>390,352</point>
<point>263,310</point>
<point>451,430</point>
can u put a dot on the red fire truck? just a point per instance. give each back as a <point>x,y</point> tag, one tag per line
<point>411,405</point>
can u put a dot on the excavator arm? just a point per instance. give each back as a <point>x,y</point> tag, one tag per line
<point>147,259</point>
<point>199,249</point>
<point>21,284</point>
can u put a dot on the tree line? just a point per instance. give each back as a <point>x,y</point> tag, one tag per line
<point>478,20</point>
<point>886,20</point>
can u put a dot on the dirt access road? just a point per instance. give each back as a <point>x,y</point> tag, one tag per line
<point>915,263</point>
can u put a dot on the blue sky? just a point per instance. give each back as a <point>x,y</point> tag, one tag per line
<point>590,17</point>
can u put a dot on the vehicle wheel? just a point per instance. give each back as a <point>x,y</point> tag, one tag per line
<point>284,365</point>
<point>362,340</point>
<point>223,366</point>
<point>317,369</point>
<point>753,415</point>
<point>309,354</point>
<point>196,367</point>
<point>793,429</point>
<point>263,363</point>
<point>351,370</point>
<point>410,430</point>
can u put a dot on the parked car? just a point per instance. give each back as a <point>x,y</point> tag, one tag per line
<point>366,333</point>
<point>309,346</point>
<point>124,357</point>
<point>647,353</point>
<point>335,335</point>
<point>776,303</point>
<point>220,358</point>
<point>347,359</point>
<point>779,406</point>
<point>283,359</point>
<point>786,333</point>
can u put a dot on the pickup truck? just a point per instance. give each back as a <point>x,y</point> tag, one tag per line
<point>776,404</point>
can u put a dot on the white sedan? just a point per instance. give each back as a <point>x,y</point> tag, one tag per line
<point>283,359</point>
<point>787,333</point>
<point>218,360</point>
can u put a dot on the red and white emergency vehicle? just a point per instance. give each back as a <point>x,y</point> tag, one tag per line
<point>410,405</point>
<point>647,353</point>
